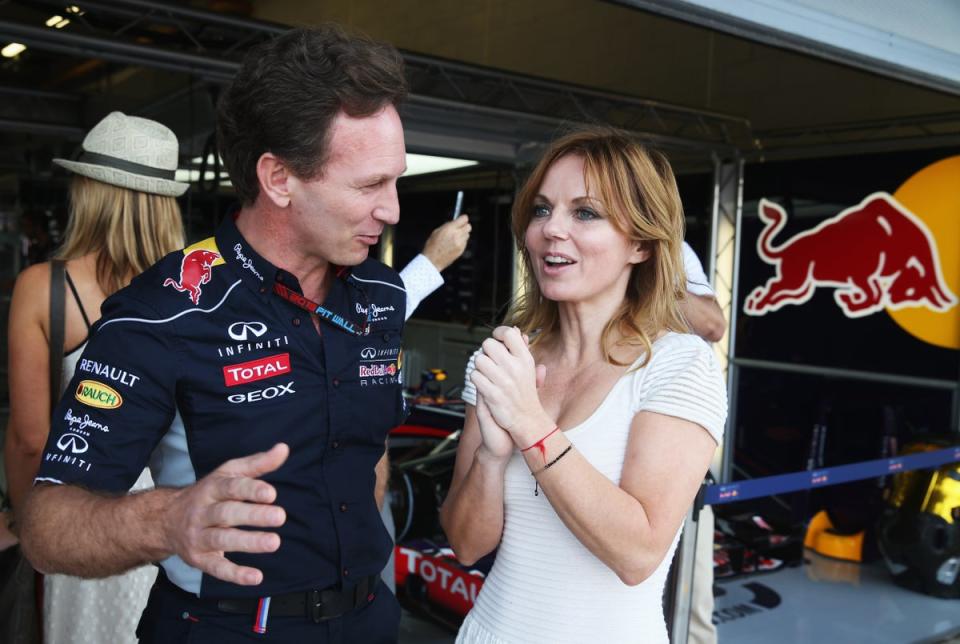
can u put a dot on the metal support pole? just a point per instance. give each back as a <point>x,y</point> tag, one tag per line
<point>682,579</point>
<point>725,264</point>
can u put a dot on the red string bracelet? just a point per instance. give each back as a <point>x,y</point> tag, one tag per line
<point>539,444</point>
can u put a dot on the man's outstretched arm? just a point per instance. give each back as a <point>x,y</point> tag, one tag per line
<point>67,529</point>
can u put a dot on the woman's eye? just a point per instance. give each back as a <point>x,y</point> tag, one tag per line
<point>539,210</point>
<point>585,214</point>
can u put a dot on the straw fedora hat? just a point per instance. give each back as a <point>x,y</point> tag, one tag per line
<point>130,152</point>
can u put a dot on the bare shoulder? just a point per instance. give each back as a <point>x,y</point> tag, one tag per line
<point>35,275</point>
<point>31,293</point>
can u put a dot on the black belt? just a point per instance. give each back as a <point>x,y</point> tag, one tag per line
<point>317,605</point>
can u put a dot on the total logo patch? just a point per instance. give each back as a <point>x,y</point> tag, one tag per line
<point>97,394</point>
<point>240,374</point>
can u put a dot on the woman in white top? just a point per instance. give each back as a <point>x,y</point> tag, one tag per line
<point>612,407</point>
<point>123,218</point>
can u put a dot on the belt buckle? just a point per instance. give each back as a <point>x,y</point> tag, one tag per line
<point>316,603</point>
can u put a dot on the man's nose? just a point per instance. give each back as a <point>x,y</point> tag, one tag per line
<point>388,211</point>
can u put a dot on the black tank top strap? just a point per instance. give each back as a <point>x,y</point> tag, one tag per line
<point>76,297</point>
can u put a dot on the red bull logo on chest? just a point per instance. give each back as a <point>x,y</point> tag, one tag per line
<point>196,269</point>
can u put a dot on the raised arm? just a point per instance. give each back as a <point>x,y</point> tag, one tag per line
<point>67,529</point>
<point>472,514</point>
<point>421,276</point>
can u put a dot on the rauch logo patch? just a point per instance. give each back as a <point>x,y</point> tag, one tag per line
<point>240,374</point>
<point>97,394</point>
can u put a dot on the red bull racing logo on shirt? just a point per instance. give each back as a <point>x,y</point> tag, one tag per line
<point>196,269</point>
<point>376,370</point>
<point>897,253</point>
<point>97,394</point>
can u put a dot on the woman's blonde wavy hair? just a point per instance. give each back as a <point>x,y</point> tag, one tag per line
<point>128,229</point>
<point>639,194</point>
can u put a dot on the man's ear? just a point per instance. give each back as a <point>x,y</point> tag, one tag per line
<point>274,175</point>
<point>640,253</point>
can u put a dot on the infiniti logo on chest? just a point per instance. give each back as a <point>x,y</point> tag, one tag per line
<point>239,330</point>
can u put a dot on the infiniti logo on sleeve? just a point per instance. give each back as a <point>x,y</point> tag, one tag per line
<point>238,330</point>
<point>72,442</point>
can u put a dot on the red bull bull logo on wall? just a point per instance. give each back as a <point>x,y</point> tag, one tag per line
<point>897,253</point>
<point>196,269</point>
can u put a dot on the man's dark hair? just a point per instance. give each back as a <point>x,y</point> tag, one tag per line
<point>288,91</point>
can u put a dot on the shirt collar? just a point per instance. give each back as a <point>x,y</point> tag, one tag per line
<point>254,270</point>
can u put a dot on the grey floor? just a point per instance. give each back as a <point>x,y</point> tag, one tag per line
<point>828,601</point>
<point>414,630</point>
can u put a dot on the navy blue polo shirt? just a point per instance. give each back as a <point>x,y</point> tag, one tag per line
<point>198,361</point>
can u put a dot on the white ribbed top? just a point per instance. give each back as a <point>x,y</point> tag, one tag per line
<point>545,586</point>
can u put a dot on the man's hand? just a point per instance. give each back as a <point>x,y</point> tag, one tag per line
<point>202,520</point>
<point>447,242</point>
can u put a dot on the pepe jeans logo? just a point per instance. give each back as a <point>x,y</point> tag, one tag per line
<point>238,330</point>
<point>246,262</point>
<point>79,424</point>
<point>72,443</point>
<point>97,394</point>
<point>376,312</point>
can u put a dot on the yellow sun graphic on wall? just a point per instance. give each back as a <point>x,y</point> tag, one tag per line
<point>933,195</point>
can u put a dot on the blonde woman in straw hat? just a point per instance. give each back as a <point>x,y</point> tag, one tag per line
<point>123,218</point>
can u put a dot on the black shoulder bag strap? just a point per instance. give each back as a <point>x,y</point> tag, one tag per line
<point>57,328</point>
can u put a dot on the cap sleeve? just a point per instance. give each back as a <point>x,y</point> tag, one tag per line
<point>683,380</point>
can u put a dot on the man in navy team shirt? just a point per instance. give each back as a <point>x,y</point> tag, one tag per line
<point>263,376</point>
